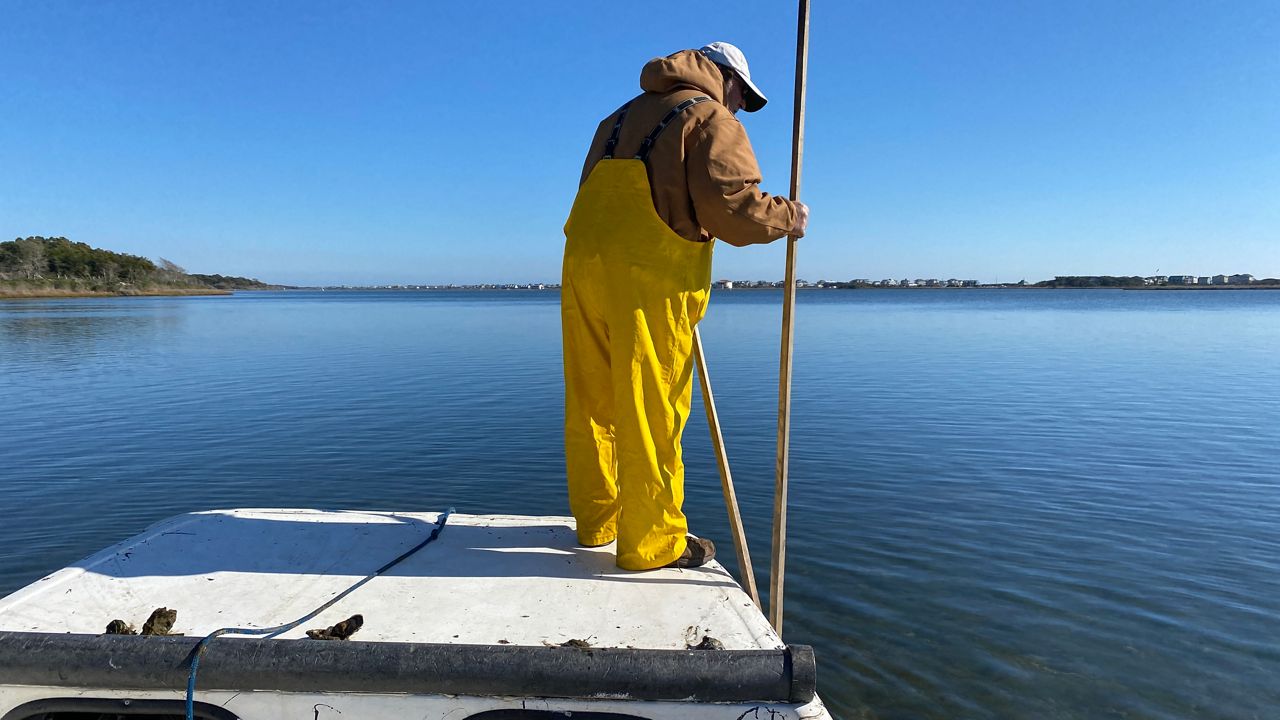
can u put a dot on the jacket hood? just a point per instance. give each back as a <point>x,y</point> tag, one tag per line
<point>685,70</point>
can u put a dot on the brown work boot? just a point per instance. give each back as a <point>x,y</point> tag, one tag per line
<point>697,552</point>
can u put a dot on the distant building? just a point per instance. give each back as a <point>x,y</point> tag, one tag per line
<point>1182,279</point>
<point>1204,280</point>
<point>1220,279</point>
<point>725,284</point>
<point>1242,279</point>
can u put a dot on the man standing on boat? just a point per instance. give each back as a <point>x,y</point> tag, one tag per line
<point>667,173</point>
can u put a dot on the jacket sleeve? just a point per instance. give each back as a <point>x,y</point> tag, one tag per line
<point>724,183</point>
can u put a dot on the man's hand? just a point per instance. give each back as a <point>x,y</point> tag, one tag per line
<point>802,219</point>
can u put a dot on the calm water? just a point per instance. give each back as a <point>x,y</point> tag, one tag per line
<point>1005,504</point>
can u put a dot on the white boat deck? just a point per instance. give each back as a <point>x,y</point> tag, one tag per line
<point>487,579</point>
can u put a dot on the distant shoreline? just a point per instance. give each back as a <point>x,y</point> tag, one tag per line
<point>56,293</point>
<point>714,286</point>
<point>47,293</point>
<point>1203,287</point>
<point>1020,287</point>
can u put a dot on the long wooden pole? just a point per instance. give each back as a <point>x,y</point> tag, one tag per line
<point>779,564</point>
<point>745,570</point>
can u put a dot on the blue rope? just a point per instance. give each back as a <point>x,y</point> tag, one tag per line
<point>204,643</point>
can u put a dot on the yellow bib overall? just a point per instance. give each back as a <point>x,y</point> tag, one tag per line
<point>632,291</point>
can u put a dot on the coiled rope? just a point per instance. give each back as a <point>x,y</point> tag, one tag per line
<point>204,643</point>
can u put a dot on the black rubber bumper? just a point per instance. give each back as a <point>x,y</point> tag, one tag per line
<point>137,662</point>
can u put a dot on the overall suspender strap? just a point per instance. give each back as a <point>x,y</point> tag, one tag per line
<point>617,127</point>
<point>647,145</point>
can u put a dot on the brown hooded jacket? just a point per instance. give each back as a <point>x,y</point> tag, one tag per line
<point>702,171</point>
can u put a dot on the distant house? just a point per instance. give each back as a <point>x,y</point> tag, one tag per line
<point>1156,280</point>
<point>1242,279</point>
<point>725,284</point>
<point>1220,279</point>
<point>1182,279</point>
<point>1204,280</point>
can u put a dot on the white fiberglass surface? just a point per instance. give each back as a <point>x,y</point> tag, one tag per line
<point>484,580</point>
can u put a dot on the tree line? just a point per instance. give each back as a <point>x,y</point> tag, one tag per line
<point>38,258</point>
<point>1094,281</point>
<point>42,260</point>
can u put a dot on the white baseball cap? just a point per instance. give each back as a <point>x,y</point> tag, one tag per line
<point>723,53</point>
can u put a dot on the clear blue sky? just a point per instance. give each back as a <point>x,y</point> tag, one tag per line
<point>366,142</point>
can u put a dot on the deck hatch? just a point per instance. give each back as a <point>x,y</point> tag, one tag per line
<point>81,708</point>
